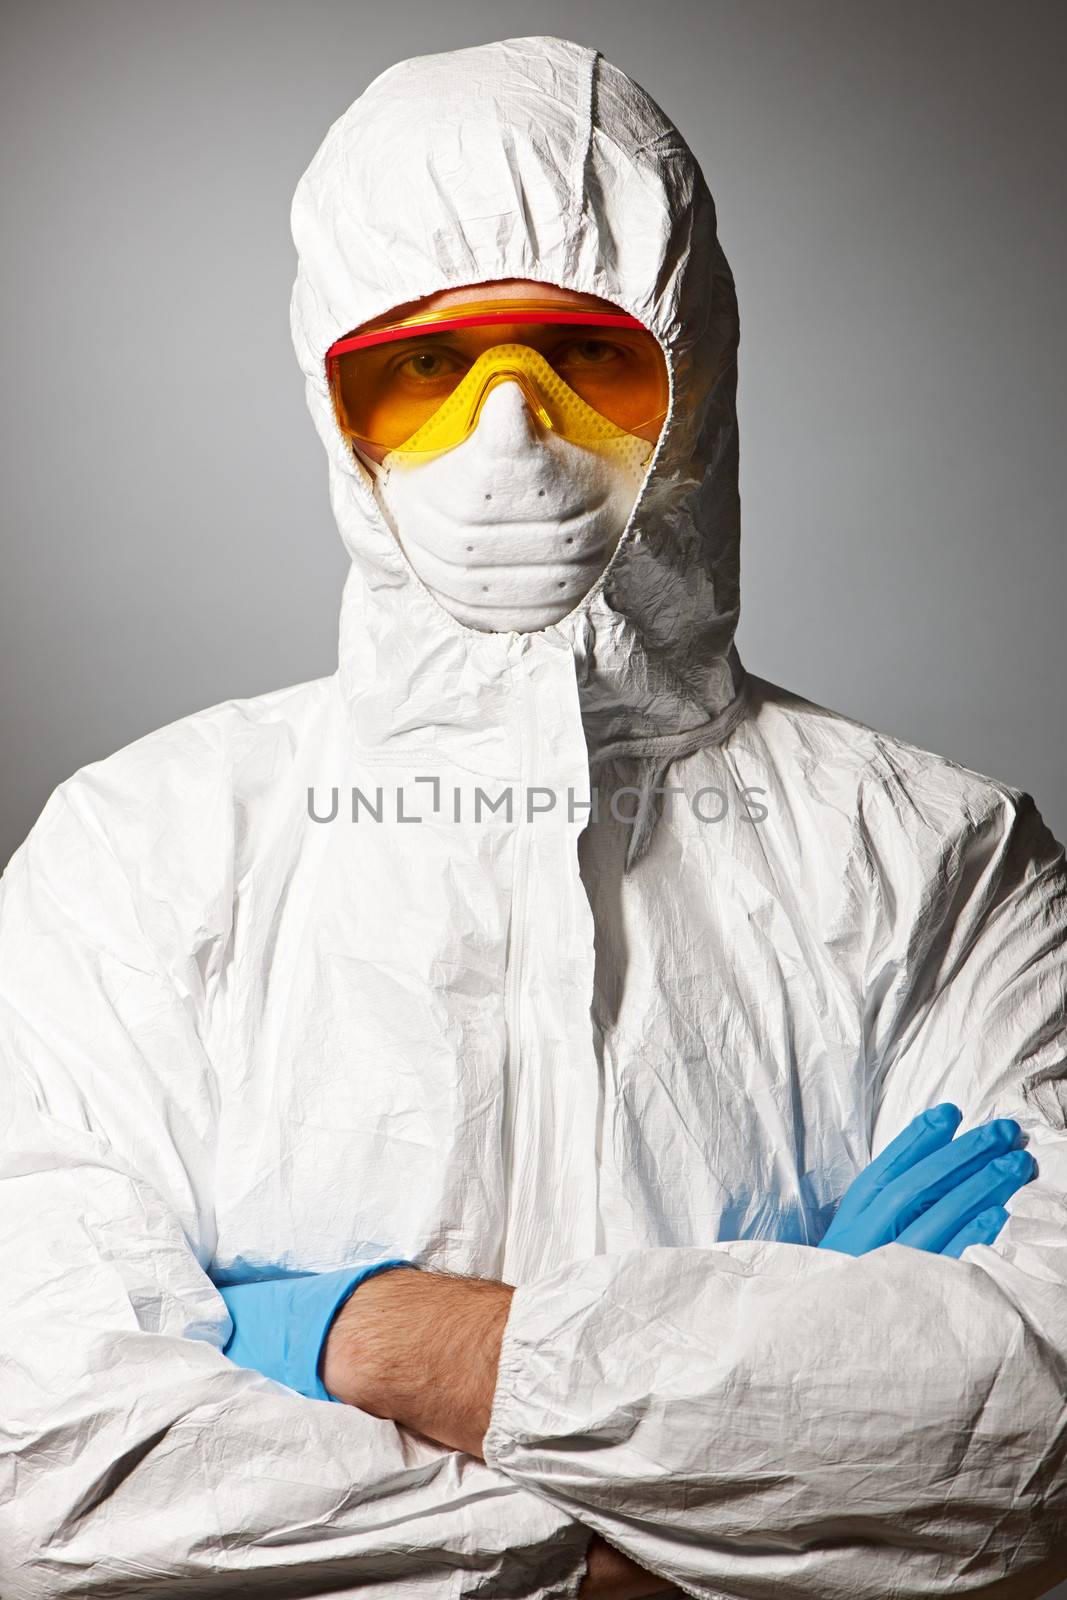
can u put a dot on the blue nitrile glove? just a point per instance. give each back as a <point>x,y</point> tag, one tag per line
<point>932,1191</point>
<point>280,1324</point>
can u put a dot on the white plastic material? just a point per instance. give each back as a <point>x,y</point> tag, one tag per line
<point>629,1070</point>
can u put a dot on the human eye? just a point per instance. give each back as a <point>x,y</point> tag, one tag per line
<point>588,353</point>
<point>427,364</point>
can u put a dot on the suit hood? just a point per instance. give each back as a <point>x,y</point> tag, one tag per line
<point>533,158</point>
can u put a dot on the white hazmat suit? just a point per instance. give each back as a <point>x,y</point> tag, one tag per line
<point>629,1070</point>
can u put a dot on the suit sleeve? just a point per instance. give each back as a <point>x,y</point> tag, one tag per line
<point>136,1460</point>
<point>756,1420</point>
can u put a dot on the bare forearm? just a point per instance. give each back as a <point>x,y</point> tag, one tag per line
<point>421,1348</point>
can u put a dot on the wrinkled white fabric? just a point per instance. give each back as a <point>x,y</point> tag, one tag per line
<point>633,1080</point>
<point>511,528</point>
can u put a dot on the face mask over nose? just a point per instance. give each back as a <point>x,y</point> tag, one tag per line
<point>510,529</point>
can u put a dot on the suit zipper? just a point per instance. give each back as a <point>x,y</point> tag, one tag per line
<point>514,973</point>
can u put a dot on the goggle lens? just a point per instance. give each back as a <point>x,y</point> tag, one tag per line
<point>388,383</point>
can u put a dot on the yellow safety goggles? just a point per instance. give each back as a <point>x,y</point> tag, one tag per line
<point>418,385</point>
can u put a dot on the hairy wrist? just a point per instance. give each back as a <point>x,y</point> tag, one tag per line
<point>421,1348</point>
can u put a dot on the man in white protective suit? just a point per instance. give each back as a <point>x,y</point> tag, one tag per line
<point>540,1112</point>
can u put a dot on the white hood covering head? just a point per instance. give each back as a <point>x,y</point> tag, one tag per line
<point>245,1039</point>
<point>534,158</point>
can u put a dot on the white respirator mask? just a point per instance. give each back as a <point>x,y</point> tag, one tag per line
<point>510,529</point>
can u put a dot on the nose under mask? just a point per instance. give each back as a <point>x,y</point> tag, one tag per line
<point>512,528</point>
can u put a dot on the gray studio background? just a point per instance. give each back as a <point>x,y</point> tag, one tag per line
<point>889,182</point>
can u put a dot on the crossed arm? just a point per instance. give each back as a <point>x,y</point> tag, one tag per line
<point>422,1349</point>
